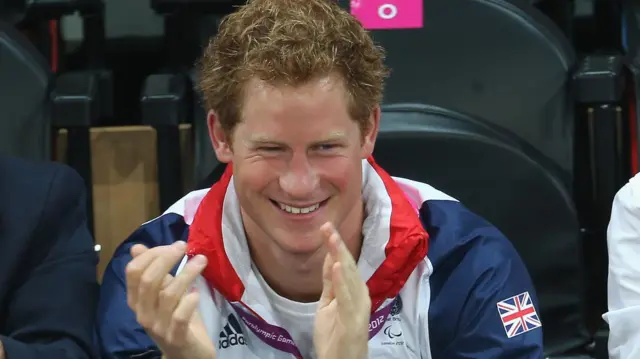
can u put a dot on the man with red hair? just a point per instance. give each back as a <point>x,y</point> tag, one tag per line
<point>306,248</point>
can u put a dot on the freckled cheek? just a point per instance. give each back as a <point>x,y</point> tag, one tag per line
<point>340,175</point>
<point>337,173</point>
<point>255,177</point>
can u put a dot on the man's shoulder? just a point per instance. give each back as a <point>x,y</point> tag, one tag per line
<point>454,230</point>
<point>623,223</point>
<point>26,183</point>
<point>626,203</point>
<point>169,227</point>
<point>474,272</point>
<point>629,195</point>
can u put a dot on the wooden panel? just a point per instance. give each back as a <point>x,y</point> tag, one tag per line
<point>125,186</point>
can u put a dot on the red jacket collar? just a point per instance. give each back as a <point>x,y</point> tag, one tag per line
<point>407,244</point>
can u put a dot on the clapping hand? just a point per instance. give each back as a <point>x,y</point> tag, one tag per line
<point>342,319</point>
<point>161,302</point>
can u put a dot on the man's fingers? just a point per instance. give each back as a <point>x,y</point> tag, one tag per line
<point>162,322</point>
<point>189,273</point>
<point>181,317</point>
<point>341,254</point>
<point>332,240</point>
<point>327,284</point>
<point>343,292</point>
<point>166,281</point>
<point>349,288</point>
<point>142,257</point>
<point>169,297</point>
<point>138,249</point>
<point>164,260</point>
<point>152,278</point>
<point>337,248</point>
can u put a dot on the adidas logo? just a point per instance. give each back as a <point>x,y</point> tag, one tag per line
<point>232,334</point>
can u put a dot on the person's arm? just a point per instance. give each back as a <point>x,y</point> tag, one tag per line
<point>484,304</point>
<point>623,242</point>
<point>52,307</point>
<point>120,336</point>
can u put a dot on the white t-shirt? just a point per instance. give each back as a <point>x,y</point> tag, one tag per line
<point>623,242</point>
<point>293,315</point>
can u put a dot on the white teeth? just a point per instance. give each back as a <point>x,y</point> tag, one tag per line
<point>296,210</point>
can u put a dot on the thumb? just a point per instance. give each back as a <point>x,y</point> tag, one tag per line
<point>327,284</point>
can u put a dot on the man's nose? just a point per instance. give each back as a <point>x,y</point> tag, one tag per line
<point>300,178</point>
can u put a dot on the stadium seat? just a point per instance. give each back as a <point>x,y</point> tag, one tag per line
<point>195,6</point>
<point>205,159</point>
<point>168,100</point>
<point>504,61</point>
<point>25,129</point>
<point>512,185</point>
<point>508,63</point>
<point>603,166</point>
<point>37,102</point>
<point>197,21</point>
<point>630,45</point>
<point>166,103</point>
<point>586,23</point>
<point>615,157</point>
<point>561,12</point>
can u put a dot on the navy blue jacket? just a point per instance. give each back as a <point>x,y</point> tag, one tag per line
<point>444,282</point>
<point>48,286</point>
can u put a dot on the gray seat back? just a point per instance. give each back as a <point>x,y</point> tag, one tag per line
<point>513,186</point>
<point>25,81</point>
<point>496,59</point>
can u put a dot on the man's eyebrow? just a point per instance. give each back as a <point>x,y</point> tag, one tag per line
<point>263,138</point>
<point>334,136</point>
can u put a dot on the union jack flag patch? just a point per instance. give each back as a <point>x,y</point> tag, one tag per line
<point>518,315</point>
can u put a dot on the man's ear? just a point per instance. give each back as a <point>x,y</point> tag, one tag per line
<point>369,138</point>
<point>219,140</point>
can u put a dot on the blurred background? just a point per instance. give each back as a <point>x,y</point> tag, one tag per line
<point>525,110</point>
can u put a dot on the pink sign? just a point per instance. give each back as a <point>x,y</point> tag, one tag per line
<point>388,14</point>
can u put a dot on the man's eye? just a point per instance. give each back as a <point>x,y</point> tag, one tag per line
<point>269,149</point>
<point>327,147</point>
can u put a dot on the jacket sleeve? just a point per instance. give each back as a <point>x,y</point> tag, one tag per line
<point>119,334</point>
<point>483,304</point>
<point>623,241</point>
<point>51,310</point>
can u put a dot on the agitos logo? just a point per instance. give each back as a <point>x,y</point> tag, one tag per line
<point>396,309</point>
<point>388,332</point>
